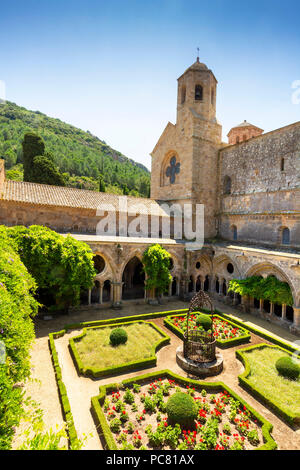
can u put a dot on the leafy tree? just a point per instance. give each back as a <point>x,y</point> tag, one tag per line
<point>17,306</point>
<point>156,261</point>
<point>61,266</point>
<point>269,288</point>
<point>44,171</point>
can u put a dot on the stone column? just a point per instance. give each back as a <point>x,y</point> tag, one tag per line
<point>296,322</point>
<point>261,305</point>
<point>271,308</point>
<point>251,302</point>
<point>245,303</point>
<point>90,297</point>
<point>194,284</point>
<point>117,294</point>
<point>283,311</point>
<point>101,293</point>
<point>235,299</point>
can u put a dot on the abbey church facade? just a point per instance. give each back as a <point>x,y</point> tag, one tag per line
<point>249,188</point>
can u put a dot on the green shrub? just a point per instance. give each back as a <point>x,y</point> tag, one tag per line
<point>288,368</point>
<point>205,321</point>
<point>181,409</point>
<point>118,336</point>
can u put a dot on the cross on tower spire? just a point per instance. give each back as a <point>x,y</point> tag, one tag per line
<point>198,54</point>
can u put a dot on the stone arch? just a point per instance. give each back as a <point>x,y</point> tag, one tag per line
<point>205,266</point>
<point>268,269</point>
<point>220,267</point>
<point>164,179</point>
<point>133,279</point>
<point>108,271</point>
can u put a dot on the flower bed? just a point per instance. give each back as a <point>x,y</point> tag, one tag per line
<point>227,333</point>
<point>134,415</point>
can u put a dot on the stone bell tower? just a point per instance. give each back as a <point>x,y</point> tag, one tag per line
<point>184,160</point>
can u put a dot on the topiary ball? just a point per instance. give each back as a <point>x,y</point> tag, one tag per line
<point>205,321</point>
<point>287,367</point>
<point>118,336</point>
<point>181,409</point>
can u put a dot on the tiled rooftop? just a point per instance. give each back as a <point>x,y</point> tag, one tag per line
<point>47,195</point>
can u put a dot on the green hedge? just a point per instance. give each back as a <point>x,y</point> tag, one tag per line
<point>116,370</point>
<point>226,343</point>
<point>110,321</point>
<point>211,387</point>
<point>291,418</point>
<point>65,404</point>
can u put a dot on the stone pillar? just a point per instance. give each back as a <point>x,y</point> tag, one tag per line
<point>202,284</point>
<point>271,308</point>
<point>235,299</point>
<point>251,302</point>
<point>170,289</point>
<point>194,284</point>
<point>90,297</point>
<point>117,294</point>
<point>261,305</point>
<point>245,303</point>
<point>296,322</point>
<point>283,311</point>
<point>101,293</point>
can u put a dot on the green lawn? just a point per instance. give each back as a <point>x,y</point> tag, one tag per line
<point>96,352</point>
<point>264,377</point>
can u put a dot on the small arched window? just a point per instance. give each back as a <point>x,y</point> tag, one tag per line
<point>237,141</point>
<point>227,185</point>
<point>234,232</point>
<point>282,164</point>
<point>183,94</point>
<point>198,93</point>
<point>285,236</point>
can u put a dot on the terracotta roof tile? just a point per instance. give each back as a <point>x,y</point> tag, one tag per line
<point>43,194</point>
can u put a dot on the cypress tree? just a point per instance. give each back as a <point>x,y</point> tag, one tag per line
<point>33,146</point>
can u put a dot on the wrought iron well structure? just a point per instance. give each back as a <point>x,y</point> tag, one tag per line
<point>199,346</point>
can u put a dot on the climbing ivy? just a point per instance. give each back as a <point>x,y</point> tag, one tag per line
<point>269,288</point>
<point>156,262</point>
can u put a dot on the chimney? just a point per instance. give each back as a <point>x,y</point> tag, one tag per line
<point>2,175</point>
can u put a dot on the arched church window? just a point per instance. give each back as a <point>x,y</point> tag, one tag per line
<point>227,185</point>
<point>173,169</point>
<point>282,164</point>
<point>285,236</point>
<point>183,94</point>
<point>198,93</point>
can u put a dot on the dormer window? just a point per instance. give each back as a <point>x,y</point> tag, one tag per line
<point>198,93</point>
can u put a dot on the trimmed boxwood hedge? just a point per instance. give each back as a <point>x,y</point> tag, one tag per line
<point>211,387</point>
<point>122,368</point>
<point>287,367</point>
<point>226,343</point>
<point>291,418</point>
<point>62,391</point>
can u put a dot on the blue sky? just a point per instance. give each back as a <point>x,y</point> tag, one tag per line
<point>111,67</point>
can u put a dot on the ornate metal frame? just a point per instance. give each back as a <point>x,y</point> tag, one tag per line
<point>199,346</point>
